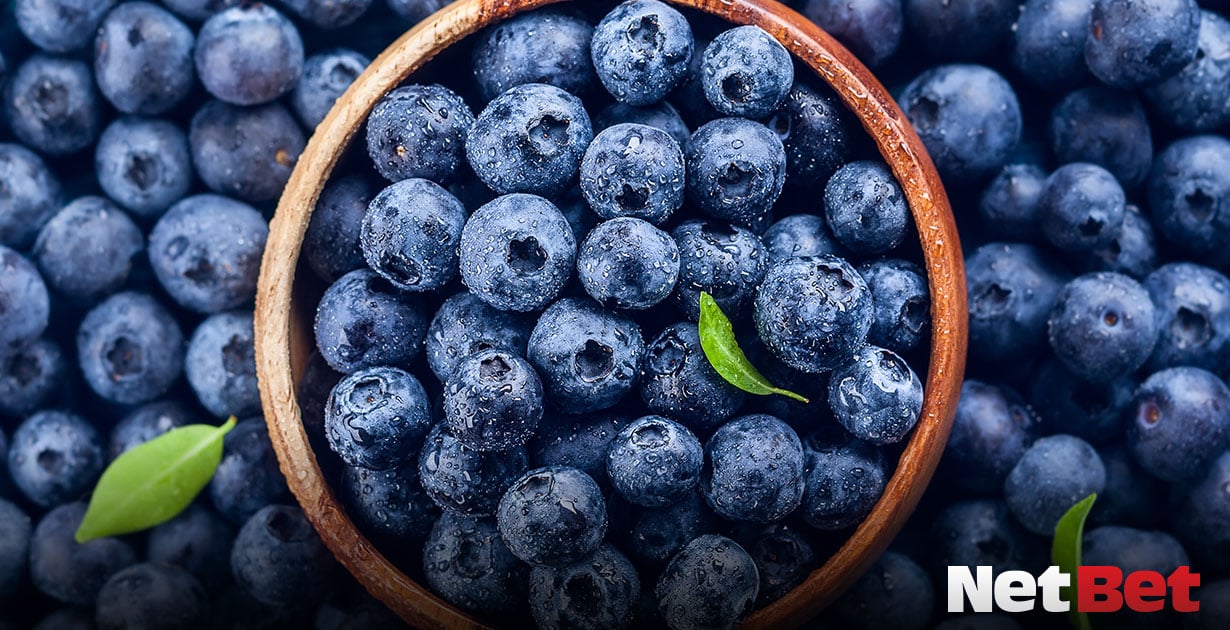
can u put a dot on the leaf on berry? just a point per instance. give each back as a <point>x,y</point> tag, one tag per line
<point>1066,552</point>
<point>717,339</point>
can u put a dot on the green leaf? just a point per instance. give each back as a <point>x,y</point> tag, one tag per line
<point>153,482</point>
<point>1066,552</point>
<point>717,339</point>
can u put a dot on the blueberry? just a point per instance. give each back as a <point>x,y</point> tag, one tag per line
<point>655,535</point>
<point>248,54</point>
<point>754,470</point>
<point>221,367</point>
<point>876,396</point>
<point>152,596</point>
<point>1188,192</point>
<point>410,235</point>
<point>677,380</point>
<point>493,401</point>
<point>24,303</point>
<point>579,442</point>
<point>199,10</point>
<point>130,349</point>
<point>1067,403</point>
<point>464,481</point>
<point>1131,495</point>
<point>30,197</point>
<point>736,169</point>
<point>1133,550</point>
<point>246,152</point>
<point>981,533</point>
<point>641,50</point>
<point>51,105</point>
<point>1103,326</point>
<point>587,357</point>
<point>363,321</point>
<point>967,116</point>
<point>1197,98</point>
<point>198,541</point>
<point>326,76</point>
<point>1193,307</point>
<point>70,572</point>
<point>1009,203</point>
<point>143,59</point>
<point>467,563</point>
<point>633,170</point>
<point>87,249</point>
<point>576,211</point>
<point>312,394</point>
<point>15,530</point>
<point>390,504</point>
<point>661,115</point>
<point>981,27</point>
<point>689,95</point>
<point>598,592</point>
<point>902,303</point>
<point>726,261</point>
<point>206,252</point>
<point>992,428</point>
<point>865,208</point>
<point>465,325</point>
<point>331,243</point>
<point>419,131</point>
<point>627,263</point>
<point>350,607</point>
<point>1051,476</point>
<point>813,312</point>
<point>799,235</point>
<point>894,593</point>
<point>279,559</point>
<point>146,423</point>
<point>144,165</point>
<point>550,47</point>
<point>692,594</point>
<point>844,479</point>
<point>1106,127</point>
<point>517,252</point>
<point>784,556</point>
<point>552,516</point>
<point>1179,422</point>
<point>654,461</point>
<point>328,14</point>
<point>746,72</point>
<point>816,132</point>
<point>60,25</point>
<point>377,417</point>
<point>1012,289</point>
<point>1133,251</point>
<point>1202,516</point>
<point>416,11</point>
<point>530,139</point>
<point>1048,46</point>
<point>1132,44</point>
<point>248,478</point>
<point>871,29</point>
<point>30,377</point>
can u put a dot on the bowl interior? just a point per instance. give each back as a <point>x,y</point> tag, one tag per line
<point>285,309</point>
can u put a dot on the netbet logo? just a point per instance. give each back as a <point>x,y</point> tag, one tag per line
<point>1099,589</point>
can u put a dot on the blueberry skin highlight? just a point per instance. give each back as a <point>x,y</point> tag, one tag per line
<point>597,592</point>
<point>552,516</point>
<point>331,244</point>
<point>546,46</point>
<point>691,595</point>
<point>493,401</point>
<point>1012,289</point>
<point>464,326</point>
<point>1081,207</point>
<point>464,481</point>
<point>871,29</point>
<point>677,381</point>
<point>633,170</point>
<point>661,115</point>
<point>377,417</point>
<point>363,321</point>
<point>130,349</point>
<point>279,559</point>
<point>143,59</point>
<point>1008,205</point>
<point>1132,44</point>
<point>753,470</point>
<point>1193,307</point>
<point>245,152</point>
<point>248,54</point>
<point>54,457</point>
<point>627,263</point>
<point>1179,422</point>
<point>51,105</point>
<point>153,596</point>
<point>60,25</point>
<point>745,72</point>
<point>419,131</point>
<point>221,366</point>
<point>1188,192</point>
<point>24,303</point>
<point>991,430</point>
<point>68,572</point>
<point>816,132</point>
<point>587,357</point>
<point>389,503</point>
<point>15,531</point>
<point>29,377</point>
<point>726,261</point>
<point>1107,127</point>
<point>579,442</point>
<point>641,50</point>
<point>844,479</point>
<point>799,235</point>
<point>876,396</point>
<point>466,561</point>
<point>530,139</point>
<point>1048,44</point>
<point>30,197</point>
<point>248,478</point>
<point>902,303</point>
<point>1202,516</point>
<point>865,208</point>
<point>198,541</point>
<point>1055,473</point>
<point>654,461</point>
<point>410,235</point>
<point>144,165</point>
<point>813,312</point>
<point>1197,98</point>
<point>736,169</point>
<point>325,78</point>
<point>206,252</point>
<point>517,252</point>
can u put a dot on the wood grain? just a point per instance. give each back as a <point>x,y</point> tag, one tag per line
<point>283,326</point>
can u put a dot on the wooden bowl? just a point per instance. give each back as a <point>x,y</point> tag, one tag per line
<point>283,324</point>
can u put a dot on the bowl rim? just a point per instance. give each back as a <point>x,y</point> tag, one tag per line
<point>279,320</point>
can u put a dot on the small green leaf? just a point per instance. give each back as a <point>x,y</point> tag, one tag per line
<point>153,482</point>
<point>717,339</point>
<point>1066,552</point>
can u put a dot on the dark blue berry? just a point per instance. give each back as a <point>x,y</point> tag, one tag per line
<point>1133,550</point>
<point>363,321</point>
<point>982,533</point>
<point>549,46</point>
<point>844,479</point>
<point>143,59</point>
<point>655,535</point>
<point>552,516</point>
<point>753,470</point>
<point>1130,44</point>
<point>875,395</point>
<point>865,208</point>
<point>736,169</point>
<point>628,263</point>
<point>641,50</point>
<point>579,442</point>
<point>331,243</point>
<point>1009,204</point>
<point>799,235</point>
<point>60,25</point>
<point>51,105</point>
<point>654,461</point>
<point>130,349</point>
<point>199,10</point>
<point>466,561</point>
<point>31,376</point>
<point>813,312</point>
<point>54,457</point>
<point>411,233</point>
<point>144,165</point>
<point>377,417</point>
<point>1179,422</point>
<point>248,54</point>
<point>692,593</point>
<point>1012,289</point>
<point>784,557</point>
<point>24,304</point>
<point>146,423</point>
<point>206,252</point>
<point>677,380</point>
<point>30,197</point>
<point>15,531</point>
<point>464,481</point>
<point>1051,476</point>
<point>992,428</point>
<point>517,252</point>
<point>325,77</point>
<point>328,14</point>
<point>661,115</point>
<point>587,357</point>
<point>1048,46</point>
<point>1197,98</point>
<point>1133,251</point>
<point>493,401</point>
<point>894,593</point>
<point>902,303</point>
<point>965,30</point>
<point>279,559</point>
<point>87,249</point>
<point>871,29</point>
<point>221,367</point>
<point>152,596</point>
<point>1189,195</point>
<point>248,478</point>
<point>1202,520</point>
<point>1067,403</point>
<point>198,541</point>
<point>726,261</point>
<point>745,72</point>
<point>817,133</point>
<point>633,170</point>
<point>246,152</point>
<point>1193,307</point>
<point>419,131</point>
<point>70,572</point>
<point>1106,127</point>
<point>597,592</point>
<point>465,325</point>
<point>1103,327</point>
<point>416,11</point>
<point>389,504</point>
<point>1131,495</point>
